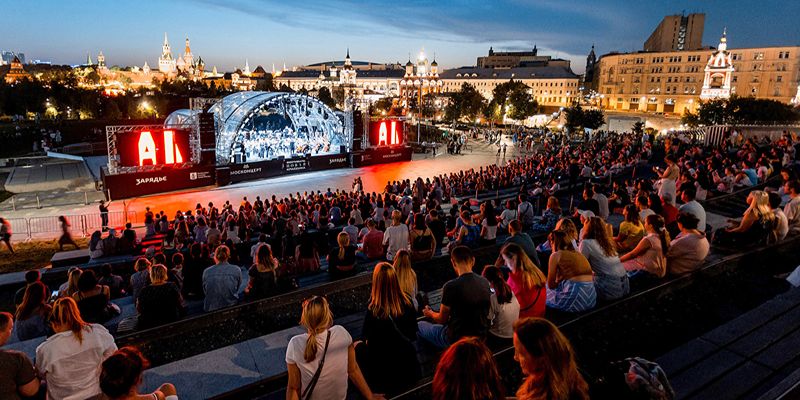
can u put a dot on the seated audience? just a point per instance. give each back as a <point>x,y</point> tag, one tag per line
<point>792,207</point>
<point>692,206</point>
<point>781,221</point>
<point>70,287</point>
<point>467,371</point>
<point>30,277</point>
<point>570,284</point>
<point>342,259</point>
<point>631,230</point>
<point>466,301</point>
<point>197,262</point>
<point>756,226</point>
<point>372,247</point>
<point>17,376</point>
<point>328,341</point>
<point>263,274</point>
<point>650,254</point>
<point>114,282</point>
<point>221,281</point>
<point>406,275</point>
<point>160,302</point>
<point>423,244</point>
<point>488,224</point>
<point>437,227</point>
<point>550,217</point>
<point>390,328</point>
<point>94,300</point>
<point>547,362</point>
<point>141,277</point>
<point>96,245</point>
<point>689,249</point>
<point>523,240</point>
<point>121,375</point>
<point>526,281</point>
<point>505,307</point>
<point>610,279</point>
<point>306,254</point>
<point>69,361</point>
<point>396,236</point>
<point>33,313</point>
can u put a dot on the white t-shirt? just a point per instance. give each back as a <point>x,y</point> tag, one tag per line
<point>783,224</point>
<point>602,201</point>
<point>491,231</point>
<point>507,216</point>
<point>332,383</point>
<point>503,317</point>
<point>396,237</point>
<point>645,213</point>
<point>72,368</point>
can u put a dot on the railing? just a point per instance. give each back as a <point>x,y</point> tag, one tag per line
<point>84,224</point>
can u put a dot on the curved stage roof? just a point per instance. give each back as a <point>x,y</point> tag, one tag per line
<point>256,126</point>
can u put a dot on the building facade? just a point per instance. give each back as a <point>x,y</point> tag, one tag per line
<point>552,86</point>
<point>513,59</point>
<point>677,33</point>
<point>16,72</point>
<point>358,79</point>
<point>672,82</point>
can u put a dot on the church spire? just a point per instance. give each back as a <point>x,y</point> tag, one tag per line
<point>188,49</point>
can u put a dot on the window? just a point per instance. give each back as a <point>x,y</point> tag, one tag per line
<point>778,78</point>
<point>758,56</point>
<point>736,56</point>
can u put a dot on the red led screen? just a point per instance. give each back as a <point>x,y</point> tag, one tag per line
<point>153,147</point>
<point>387,132</point>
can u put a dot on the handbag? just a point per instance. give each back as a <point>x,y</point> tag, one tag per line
<point>310,388</point>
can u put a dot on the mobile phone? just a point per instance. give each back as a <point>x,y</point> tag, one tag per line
<point>54,294</point>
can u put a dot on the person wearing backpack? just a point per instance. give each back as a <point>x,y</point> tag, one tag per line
<point>423,244</point>
<point>525,212</point>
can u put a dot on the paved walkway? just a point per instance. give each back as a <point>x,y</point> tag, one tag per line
<point>742,359</point>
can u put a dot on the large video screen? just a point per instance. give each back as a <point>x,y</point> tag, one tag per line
<point>153,147</point>
<point>388,132</point>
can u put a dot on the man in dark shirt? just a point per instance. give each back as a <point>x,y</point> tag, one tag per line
<point>465,305</point>
<point>523,240</point>
<point>17,376</point>
<point>437,227</point>
<point>588,202</point>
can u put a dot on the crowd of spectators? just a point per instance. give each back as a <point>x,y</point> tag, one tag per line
<point>200,254</point>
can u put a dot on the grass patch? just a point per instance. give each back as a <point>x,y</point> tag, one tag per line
<point>32,255</point>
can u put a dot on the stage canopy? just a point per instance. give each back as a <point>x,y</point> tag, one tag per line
<point>256,126</point>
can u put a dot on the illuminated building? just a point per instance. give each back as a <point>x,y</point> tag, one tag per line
<point>420,79</point>
<point>675,81</point>
<point>677,33</point>
<point>16,72</point>
<point>359,79</point>
<point>167,64</point>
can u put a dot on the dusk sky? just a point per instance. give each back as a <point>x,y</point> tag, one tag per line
<point>226,32</point>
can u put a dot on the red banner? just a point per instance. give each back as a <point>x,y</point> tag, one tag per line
<point>154,147</point>
<point>388,132</point>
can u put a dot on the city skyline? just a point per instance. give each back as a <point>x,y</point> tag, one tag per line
<point>267,33</point>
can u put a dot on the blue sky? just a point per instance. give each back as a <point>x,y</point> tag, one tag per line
<point>226,32</point>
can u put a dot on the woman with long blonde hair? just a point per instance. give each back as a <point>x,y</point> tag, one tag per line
<point>526,280</point>
<point>320,361</point>
<point>406,274</point>
<point>547,361</point>
<point>390,327</point>
<point>342,259</point>
<point>610,278</point>
<point>70,359</point>
<point>756,226</point>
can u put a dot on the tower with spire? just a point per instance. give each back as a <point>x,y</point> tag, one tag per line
<point>166,63</point>
<point>718,72</point>
<point>101,61</point>
<point>246,71</point>
<point>591,62</point>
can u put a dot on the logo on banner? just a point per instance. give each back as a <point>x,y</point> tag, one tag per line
<point>152,179</point>
<point>337,160</point>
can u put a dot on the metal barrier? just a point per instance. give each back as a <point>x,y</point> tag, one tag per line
<point>84,224</point>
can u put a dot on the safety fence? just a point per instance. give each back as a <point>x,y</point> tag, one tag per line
<point>83,224</point>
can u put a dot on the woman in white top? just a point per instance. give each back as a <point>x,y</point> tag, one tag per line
<point>69,360</point>
<point>396,236</point>
<point>505,306</point>
<point>610,278</point>
<point>331,345</point>
<point>507,215</point>
<point>668,177</point>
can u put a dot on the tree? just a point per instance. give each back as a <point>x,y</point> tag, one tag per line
<point>324,95</point>
<point>638,128</point>
<point>574,118</point>
<point>593,119</point>
<point>522,104</point>
<point>382,105</point>
<point>740,110</point>
<point>466,103</point>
